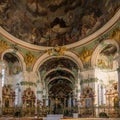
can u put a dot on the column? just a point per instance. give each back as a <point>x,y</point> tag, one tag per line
<point>39,90</point>
<point>119,86</point>
<point>98,91</point>
<point>2,79</point>
<point>0,90</point>
<point>78,87</point>
<point>1,86</point>
<point>104,96</point>
<point>47,100</point>
<point>97,98</point>
<point>18,100</point>
<point>118,73</point>
<point>69,101</point>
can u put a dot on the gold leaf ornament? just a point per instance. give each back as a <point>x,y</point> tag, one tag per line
<point>3,45</point>
<point>85,55</point>
<point>29,58</point>
<point>57,51</point>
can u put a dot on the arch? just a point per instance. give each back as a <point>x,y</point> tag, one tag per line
<point>46,56</point>
<point>52,70</point>
<point>61,78</point>
<point>68,55</point>
<point>18,55</point>
<point>99,49</point>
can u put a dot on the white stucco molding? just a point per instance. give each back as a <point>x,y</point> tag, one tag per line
<point>100,48</point>
<point>52,70</point>
<point>54,78</point>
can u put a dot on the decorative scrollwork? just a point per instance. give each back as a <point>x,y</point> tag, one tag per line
<point>85,55</point>
<point>29,58</point>
<point>57,51</point>
<point>3,45</point>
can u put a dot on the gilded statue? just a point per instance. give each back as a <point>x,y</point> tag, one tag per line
<point>116,35</point>
<point>101,63</point>
<point>85,55</point>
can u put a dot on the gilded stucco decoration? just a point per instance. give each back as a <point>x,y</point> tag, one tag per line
<point>101,63</point>
<point>57,51</point>
<point>116,35</point>
<point>29,59</point>
<point>3,46</point>
<point>86,55</point>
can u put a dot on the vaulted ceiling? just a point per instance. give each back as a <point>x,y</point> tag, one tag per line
<point>59,75</point>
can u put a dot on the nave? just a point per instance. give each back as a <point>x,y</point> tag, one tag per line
<point>59,59</point>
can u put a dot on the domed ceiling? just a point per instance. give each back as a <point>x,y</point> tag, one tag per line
<point>55,22</point>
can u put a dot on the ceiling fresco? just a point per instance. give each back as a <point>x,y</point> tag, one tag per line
<point>105,59</point>
<point>58,64</point>
<point>60,88</point>
<point>109,50</point>
<point>58,68</point>
<point>59,74</point>
<point>13,64</point>
<point>55,22</point>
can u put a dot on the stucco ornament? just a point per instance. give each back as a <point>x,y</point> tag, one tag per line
<point>85,55</point>
<point>57,51</point>
<point>29,59</point>
<point>3,46</point>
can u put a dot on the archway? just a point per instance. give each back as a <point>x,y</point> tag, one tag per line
<point>59,76</point>
<point>105,64</point>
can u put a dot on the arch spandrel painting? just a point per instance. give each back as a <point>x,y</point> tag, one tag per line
<point>55,22</point>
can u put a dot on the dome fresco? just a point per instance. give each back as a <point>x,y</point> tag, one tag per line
<point>55,22</point>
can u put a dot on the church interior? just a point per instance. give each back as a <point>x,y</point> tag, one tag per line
<point>59,59</point>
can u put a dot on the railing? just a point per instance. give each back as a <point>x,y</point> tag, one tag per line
<point>67,111</point>
<point>99,111</point>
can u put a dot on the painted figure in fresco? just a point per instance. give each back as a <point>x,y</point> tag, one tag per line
<point>31,19</point>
